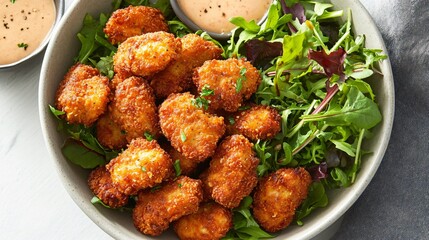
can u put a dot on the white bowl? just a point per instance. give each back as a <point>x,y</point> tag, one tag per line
<point>64,46</point>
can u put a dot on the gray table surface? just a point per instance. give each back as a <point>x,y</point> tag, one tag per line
<point>396,203</point>
<point>34,205</point>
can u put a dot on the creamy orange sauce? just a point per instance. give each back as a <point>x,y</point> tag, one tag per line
<point>24,26</point>
<point>214,15</point>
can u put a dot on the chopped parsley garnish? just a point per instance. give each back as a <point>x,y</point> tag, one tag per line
<point>144,169</point>
<point>148,136</point>
<point>23,45</point>
<point>182,136</point>
<point>177,168</point>
<point>201,101</point>
<point>12,1</point>
<point>240,80</point>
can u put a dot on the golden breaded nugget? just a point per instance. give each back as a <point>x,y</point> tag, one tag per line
<point>134,21</point>
<point>187,165</point>
<point>177,77</point>
<point>83,95</point>
<point>101,185</point>
<point>118,78</point>
<point>133,108</point>
<point>278,195</point>
<point>109,134</point>
<point>146,54</point>
<point>232,80</point>
<point>211,222</point>
<point>232,173</point>
<point>256,123</point>
<point>191,131</point>
<point>156,209</point>
<point>142,165</point>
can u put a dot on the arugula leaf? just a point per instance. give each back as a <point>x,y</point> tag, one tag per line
<point>178,28</point>
<point>316,198</point>
<point>358,111</point>
<point>244,225</point>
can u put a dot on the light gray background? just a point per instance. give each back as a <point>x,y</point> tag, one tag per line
<point>34,205</point>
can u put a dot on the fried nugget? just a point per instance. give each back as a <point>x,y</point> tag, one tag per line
<point>187,166</point>
<point>177,77</point>
<point>278,195</point>
<point>83,95</point>
<point>142,165</point>
<point>109,134</point>
<point>211,222</point>
<point>157,208</point>
<point>256,123</point>
<point>232,80</point>
<point>133,108</point>
<point>232,172</point>
<point>134,21</point>
<point>191,131</point>
<point>101,185</point>
<point>146,54</point>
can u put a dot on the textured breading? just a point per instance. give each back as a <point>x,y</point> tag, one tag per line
<point>232,173</point>
<point>101,185</point>
<point>134,21</point>
<point>156,209</point>
<point>225,77</point>
<point>191,131</point>
<point>83,95</point>
<point>109,134</point>
<point>142,165</point>
<point>177,77</point>
<point>133,108</point>
<point>278,195</point>
<point>256,123</point>
<point>118,78</point>
<point>211,222</point>
<point>187,166</point>
<point>146,54</point>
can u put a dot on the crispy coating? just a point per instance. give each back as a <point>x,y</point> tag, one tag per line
<point>191,131</point>
<point>146,54</point>
<point>177,77</point>
<point>142,165</point>
<point>222,76</point>
<point>187,165</point>
<point>118,78</point>
<point>257,123</point>
<point>101,185</point>
<point>232,173</point>
<point>278,195</point>
<point>134,21</point>
<point>211,222</point>
<point>133,108</point>
<point>83,95</point>
<point>109,134</point>
<point>155,210</point>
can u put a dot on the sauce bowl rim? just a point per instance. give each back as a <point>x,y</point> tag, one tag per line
<point>59,7</point>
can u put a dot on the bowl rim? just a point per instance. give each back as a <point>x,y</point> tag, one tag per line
<point>59,7</point>
<point>329,218</point>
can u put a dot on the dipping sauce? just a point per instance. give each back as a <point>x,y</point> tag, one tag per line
<point>214,15</point>
<point>24,26</point>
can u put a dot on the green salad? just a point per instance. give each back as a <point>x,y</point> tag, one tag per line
<point>313,70</point>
